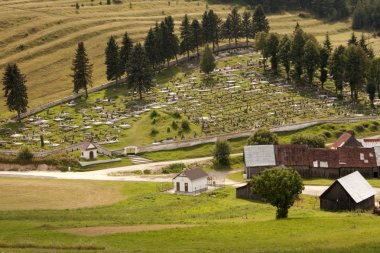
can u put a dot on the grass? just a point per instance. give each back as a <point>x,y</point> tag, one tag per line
<point>124,162</point>
<point>42,36</point>
<point>225,224</point>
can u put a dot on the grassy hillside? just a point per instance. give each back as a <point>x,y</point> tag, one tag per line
<point>41,35</point>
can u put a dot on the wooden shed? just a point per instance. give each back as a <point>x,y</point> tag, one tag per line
<point>348,193</point>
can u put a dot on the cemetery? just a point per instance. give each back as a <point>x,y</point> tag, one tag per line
<point>184,104</point>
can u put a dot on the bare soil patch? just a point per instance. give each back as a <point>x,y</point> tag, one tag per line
<point>96,231</point>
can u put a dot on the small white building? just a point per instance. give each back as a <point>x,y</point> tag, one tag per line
<point>89,151</point>
<point>191,181</point>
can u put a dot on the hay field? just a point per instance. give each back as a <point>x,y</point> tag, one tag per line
<point>41,36</point>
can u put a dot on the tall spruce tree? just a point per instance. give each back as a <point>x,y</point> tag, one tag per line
<point>186,36</point>
<point>15,91</point>
<point>125,51</point>
<point>173,42</point>
<point>355,69</point>
<point>140,74</point>
<point>235,23</point>
<point>150,48</point>
<point>323,62</point>
<point>259,21</point>
<point>284,54</point>
<point>196,35</point>
<point>272,47</point>
<point>246,26</point>
<point>374,75</point>
<point>206,28</point>
<point>298,51</point>
<point>311,58</point>
<point>227,30</point>
<point>207,61</point>
<point>112,60</point>
<point>364,45</point>
<point>337,68</point>
<point>327,43</point>
<point>82,69</point>
<point>353,41</point>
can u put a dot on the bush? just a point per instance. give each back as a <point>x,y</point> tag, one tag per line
<point>25,155</point>
<point>374,128</point>
<point>147,172</point>
<point>174,168</point>
<point>176,115</point>
<point>185,125</point>
<point>313,141</point>
<point>359,128</point>
<point>263,136</point>
<point>327,134</point>
<point>222,153</point>
<point>154,114</point>
<point>375,123</point>
<point>153,132</point>
<point>174,125</point>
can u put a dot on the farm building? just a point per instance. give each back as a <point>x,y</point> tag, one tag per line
<point>348,193</point>
<point>347,139</point>
<point>89,151</point>
<point>191,181</point>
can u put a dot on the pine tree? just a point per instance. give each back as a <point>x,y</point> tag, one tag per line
<point>297,51</point>
<point>161,49</point>
<point>353,41</point>
<point>324,58</point>
<point>125,51</point>
<point>374,74</point>
<point>235,24</point>
<point>355,69</point>
<point>327,43</point>
<point>173,42</point>
<point>311,59</point>
<point>208,61</point>
<point>337,68</point>
<point>227,30</point>
<point>140,74</point>
<point>15,90</point>
<point>206,28</point>
<point>112,60</point>
<point>272,48</point>
<point>82,70</point>
<point>150,48</point>
<point>363,44</point>
<point>284,53</point>
<point>186,36</point>
<point>259,21</point>
<point>246,26</point>
<point>196,35</point>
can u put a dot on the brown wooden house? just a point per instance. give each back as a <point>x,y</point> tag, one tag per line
<point>350,192</point>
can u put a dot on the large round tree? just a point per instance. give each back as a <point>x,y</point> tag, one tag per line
<point>263,136</point>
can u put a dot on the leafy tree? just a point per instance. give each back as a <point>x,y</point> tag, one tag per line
<point>313,141</point>
<point>235,24</point>
<point>222,152</point>
<point>284,53</point>
<point>311,59</point>
<point>186,36</point>
<point>125,52</point>
<point>208,61</point>
<point>227,30</point>
<point>298,51</point>
<point>355,69</point>
<point>263,136</point>
<point>82,68</point>
<point>196,35</point>
<point>246,26</point>
<point>139,70</point>
<point>337,68</point>
<point>112,60</point>
<point>279,186</point>
<point>15,90</point>
<point>259,21</point>
<point>272,47</point>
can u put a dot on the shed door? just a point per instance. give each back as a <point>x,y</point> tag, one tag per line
<point>178,187</point>
<point>186,187</point>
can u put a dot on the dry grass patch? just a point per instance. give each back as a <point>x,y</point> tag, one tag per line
<point>97,231</point>
<point>30,194</point>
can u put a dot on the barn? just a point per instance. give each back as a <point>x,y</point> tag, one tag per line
<point>89,151</point>
<point>350,192</point>
<point>191,181</point>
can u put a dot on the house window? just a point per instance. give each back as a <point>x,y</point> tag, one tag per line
<point>365,161</point>
<point>362,156</point>
<point>324,164</point>
<point>370,155</point>
<point>315,164</point>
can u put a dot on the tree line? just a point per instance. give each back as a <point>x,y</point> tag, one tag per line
<point>366,15</point>
<point>302,55</point>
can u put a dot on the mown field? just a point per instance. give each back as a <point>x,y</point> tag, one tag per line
<point>144,221</point>
<point>41,35</point>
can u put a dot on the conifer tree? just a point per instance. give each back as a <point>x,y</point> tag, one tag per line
<point>311,59</point>
<point>246,26</point>
<point>235,24</point>
<point>112,60</point>
<point>186,36</point>
<point>227,30</point>
<point>140,74</point>
<point>208,61</point>
<point>324,58</point>
<point>272,49</point>
<point>125,51</point>
<point>363,44</point>
<point>355,69</point>
<point>82,70</point>
<point>173,42</point>
<point>353,41</point>
<point>196,35</point>
<point>259,21</point>
<point>374,75</point>
<point>15,91</point>
<point>284,53</point>
<point>327,43</point>
<point>298,51</point>
<point>337,68</point>
<point>150,48</point>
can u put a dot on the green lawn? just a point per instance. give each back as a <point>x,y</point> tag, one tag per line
<point>226,224</point>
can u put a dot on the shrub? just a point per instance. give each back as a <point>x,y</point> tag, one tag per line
<point>313,141</point>
<point>153,132</point>
<point>375,123</point>
<point>174,125</point>
<point>222,153</point>
<point>359,128</point>
<point>173,168</point>
<point>374,128</point>
<point>176,115</point>
<point>154,114</point>
<point>147,172</point>
<point>25,155</point>
<point>263,136</point>
<point>366,125</point>
<point>154,121</point>
<point>185,125</point>
<point>327,134</point>
<point>168,130</point>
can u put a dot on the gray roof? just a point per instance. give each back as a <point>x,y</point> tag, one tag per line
<point>357,187</point>
<point>259,155</point>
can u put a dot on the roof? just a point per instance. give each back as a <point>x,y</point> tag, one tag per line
<point>356,186</point>
<point>292,155</point>
<point>351,157</point>
<point>88,146</point>
<point>259,155</point>
<point>323,155</point>
<point>193,174</point>
<point>370,143</point>
<point>341,140</point>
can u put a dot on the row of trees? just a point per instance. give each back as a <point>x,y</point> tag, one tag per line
<point>354,64</point>
<point>366,15</point>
